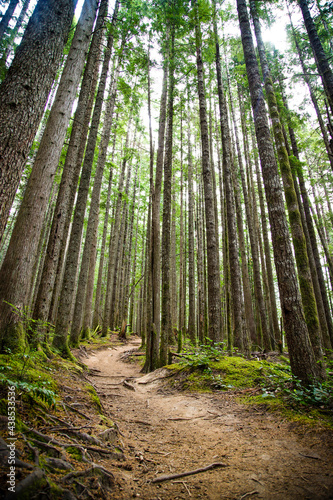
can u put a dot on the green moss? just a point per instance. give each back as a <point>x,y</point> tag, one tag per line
<point>75,453</point>
<point>94,397</point>
<point>307,416</point>
<point>14,338</point>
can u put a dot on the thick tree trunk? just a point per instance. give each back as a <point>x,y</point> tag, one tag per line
<point>302,359</point>
<point>24,92</point>
<point>303,267</point>
<point>214,295</point>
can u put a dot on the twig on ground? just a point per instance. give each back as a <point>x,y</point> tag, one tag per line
<point>188,473</point>
<point>254,492</point>
<point>185,486</point>
<point>314,457</point>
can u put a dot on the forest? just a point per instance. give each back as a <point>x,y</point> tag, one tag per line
<point>166,173</point>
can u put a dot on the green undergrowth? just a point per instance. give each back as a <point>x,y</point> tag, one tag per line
<point>269,383</point>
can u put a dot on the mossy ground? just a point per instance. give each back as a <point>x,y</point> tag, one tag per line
<point>271,382</point>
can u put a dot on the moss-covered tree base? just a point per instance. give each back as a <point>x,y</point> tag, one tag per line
<point>14,338</point>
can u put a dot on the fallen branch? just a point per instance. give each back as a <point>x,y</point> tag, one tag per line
<point>314,457</point>
<point>188,473</point>
<point>254,492</point>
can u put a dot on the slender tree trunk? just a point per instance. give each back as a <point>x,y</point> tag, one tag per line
<point>253,241</point>
<point>7,17</point>
<point>214,295</point>
<point>166,223</point>
<point>191,277</point>
<point>113,247</point>
<point>24,93</point>
<point>155,262</point>
<point>319,53</point>
<point>10,41</point>
<point>302,359</point>
<point>72,260</point>
<point>97,307</point>
<point>314,100</point>
<point>92,224</point>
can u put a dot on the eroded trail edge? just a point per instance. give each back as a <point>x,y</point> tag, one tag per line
<point>165,432</point>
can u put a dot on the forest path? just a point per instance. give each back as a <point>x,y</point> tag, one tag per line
<point>164,431</point>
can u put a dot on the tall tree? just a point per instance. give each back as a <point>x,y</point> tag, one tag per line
<point>300,350</point>
<point>322,61</point>
<point>214,296</point>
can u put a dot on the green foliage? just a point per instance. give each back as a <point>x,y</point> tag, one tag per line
<point>26,373</point>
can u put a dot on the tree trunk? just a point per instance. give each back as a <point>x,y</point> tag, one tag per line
<point>97,306</point>
<point>191,276</point>
<point>113,247</point>
<point>302,359</point>
<point>166,222</point>
<point>10,41</point>
<point>214,296</point>
<point>253,241</point>
<point>24,92</point>
<point>7,17</point>
<point>319,53</point>
<point>49,290</point>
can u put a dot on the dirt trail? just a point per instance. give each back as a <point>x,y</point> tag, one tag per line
<point>167,432</point>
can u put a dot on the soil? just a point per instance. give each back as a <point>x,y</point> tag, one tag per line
<point>166,432</point>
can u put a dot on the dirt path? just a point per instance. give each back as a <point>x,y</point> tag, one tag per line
<point>167,432</point>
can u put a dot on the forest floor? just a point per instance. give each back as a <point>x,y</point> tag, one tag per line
<point>166,432</point>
